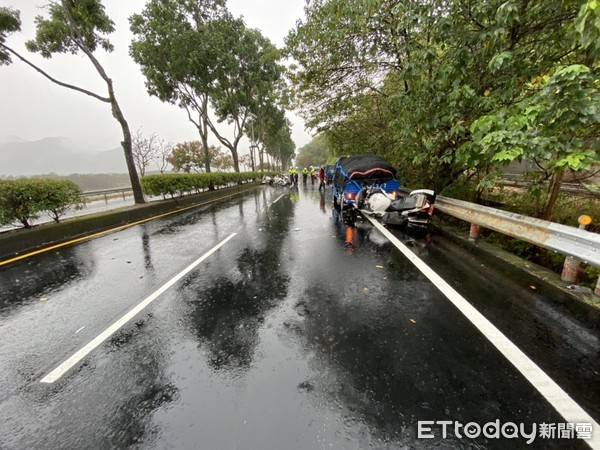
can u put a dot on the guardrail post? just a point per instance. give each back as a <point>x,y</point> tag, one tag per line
<point>570,271</point>
<point>474,232</point>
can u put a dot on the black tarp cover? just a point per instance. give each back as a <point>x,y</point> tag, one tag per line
<point>364,167</point>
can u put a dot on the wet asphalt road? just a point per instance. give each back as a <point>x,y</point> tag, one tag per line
<point>300,332</point>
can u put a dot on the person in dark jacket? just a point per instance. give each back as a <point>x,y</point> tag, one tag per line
<point>322,178</point>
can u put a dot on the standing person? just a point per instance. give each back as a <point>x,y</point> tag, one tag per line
<point>304,175</point>
<point>322,178</point>
<point>291,172</point>
<point>312,175</point>
<point>296,176</point>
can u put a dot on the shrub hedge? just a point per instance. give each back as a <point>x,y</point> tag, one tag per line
<point>24,199</point>
<point>181,183</point>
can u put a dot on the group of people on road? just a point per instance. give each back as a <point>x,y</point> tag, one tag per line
<point>293,173</point>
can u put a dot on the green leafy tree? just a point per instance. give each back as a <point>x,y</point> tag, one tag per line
<point>272,136</point>
<point>187,157</point>
<point>411,81</point>
<point>60,196</point>
<point>196,55</point>
<point>76,27</point>
<point>178,44</point>
<point>267,123</point>
<point>10,22</point>
<point>190,156</point>
<point>587,25</point>
<point>22,200</point>
<point>558,126</point>
<point>313,153</point>
<point>6,215</point>
<point>251,70</point>
<point>280,145</point>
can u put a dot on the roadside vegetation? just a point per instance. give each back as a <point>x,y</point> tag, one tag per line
<point>25,199</point>
<point>79,29</point>
<point>179,184</point>
<point>198,56</point>
<point>451,92</point>
<point>195,55</point>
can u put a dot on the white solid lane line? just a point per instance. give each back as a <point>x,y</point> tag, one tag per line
<point>277,199</point>
<point>556,396</point>
<point>83,352</point>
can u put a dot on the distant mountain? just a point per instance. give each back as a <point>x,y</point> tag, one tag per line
<point>55,154</point>
<point>10,139</point>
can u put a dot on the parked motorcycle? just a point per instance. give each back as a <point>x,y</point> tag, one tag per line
<point>416,209</point>
<point>282,180</point>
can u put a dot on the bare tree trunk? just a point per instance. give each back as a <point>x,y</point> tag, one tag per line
<point>204,133</point>
<point>77,37</point>
<point>138,196</point>
<point>554,189</point>
<point>236,160</point>
<point>204,137</point>
<point>201,125</point>
<point>116,112</point>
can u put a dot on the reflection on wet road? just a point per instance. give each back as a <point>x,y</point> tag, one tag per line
<point>301,332</point>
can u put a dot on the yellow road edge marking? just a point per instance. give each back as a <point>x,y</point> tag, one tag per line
<point>112,230</point>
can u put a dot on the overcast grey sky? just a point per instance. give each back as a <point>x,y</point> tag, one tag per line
<point>32,107</point>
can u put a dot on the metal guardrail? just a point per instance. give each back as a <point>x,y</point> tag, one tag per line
<point>581,244</point>
<point>107,191</point>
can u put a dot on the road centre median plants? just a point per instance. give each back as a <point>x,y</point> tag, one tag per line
<point>24,199</point>
<point>178,184</point>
